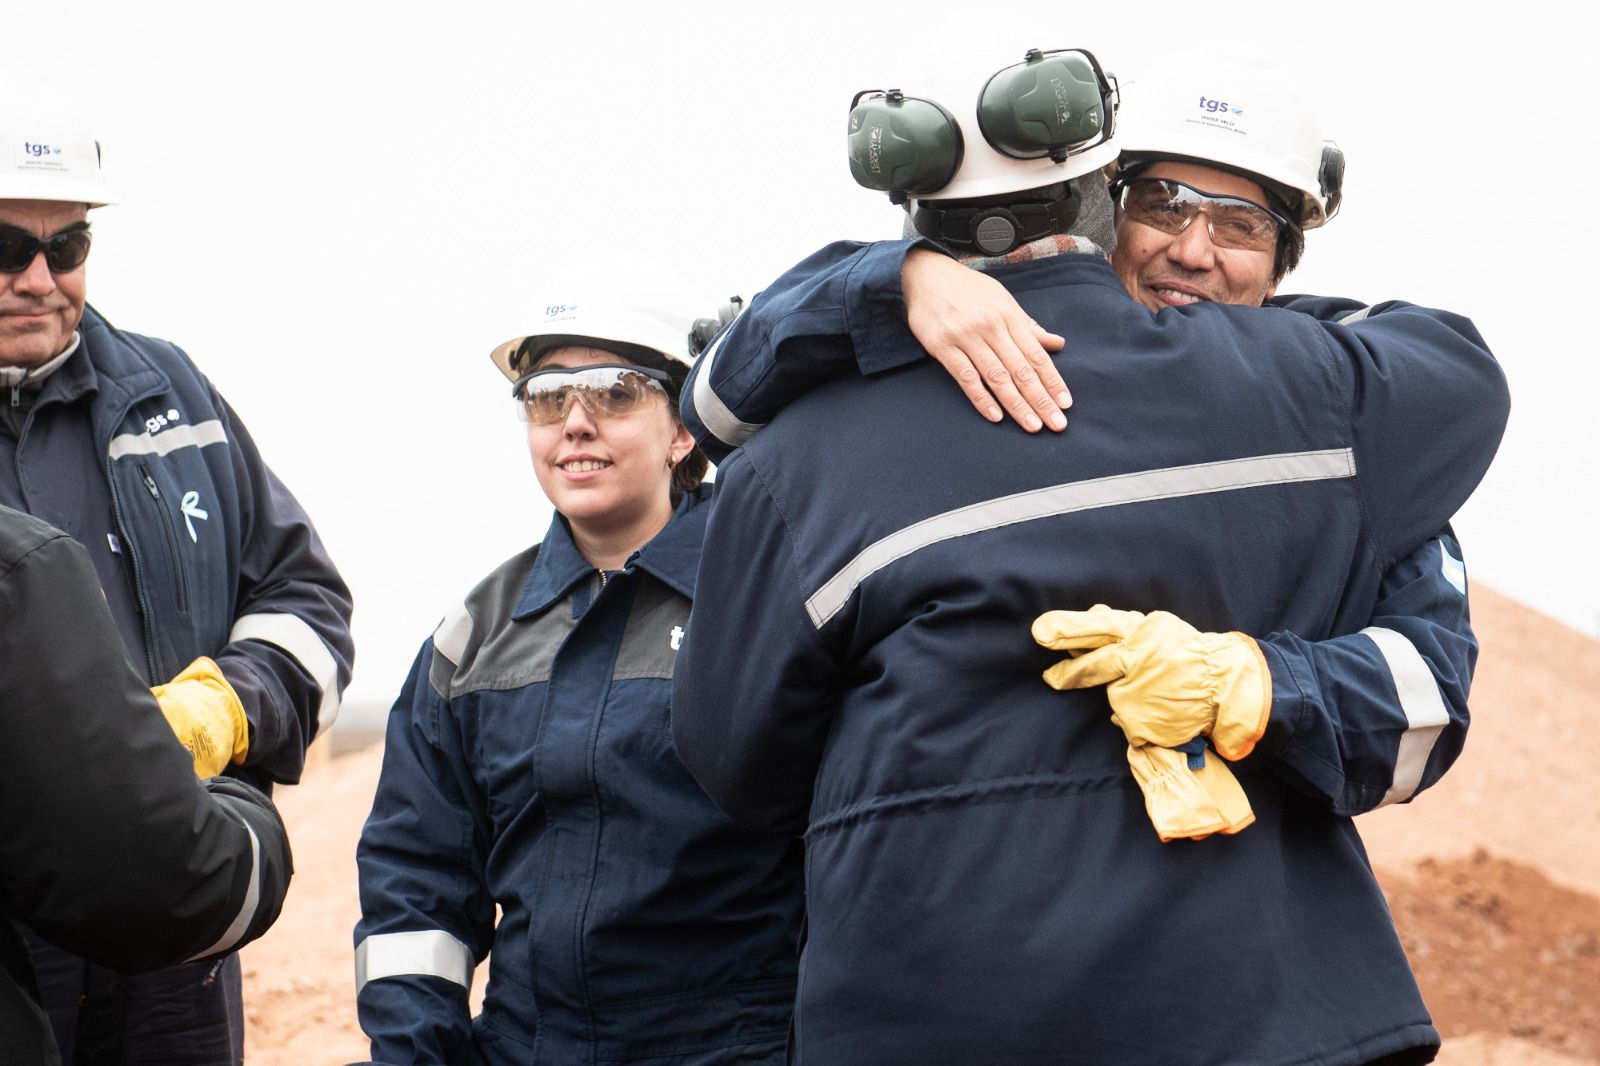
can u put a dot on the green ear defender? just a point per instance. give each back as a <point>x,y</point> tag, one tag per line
<point>1050,104</point>
<point>902,145</point>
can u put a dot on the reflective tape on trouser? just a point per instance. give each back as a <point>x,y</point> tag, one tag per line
<point>424,953</point>
<point>1424,708</point>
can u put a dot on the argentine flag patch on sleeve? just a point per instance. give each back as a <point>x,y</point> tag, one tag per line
<point>1453,569</point>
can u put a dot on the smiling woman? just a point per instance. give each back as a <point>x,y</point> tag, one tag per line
<point>598,431</point>
<point>529,764</point>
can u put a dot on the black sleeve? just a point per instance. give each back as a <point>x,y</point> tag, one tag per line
<point>109,845</point>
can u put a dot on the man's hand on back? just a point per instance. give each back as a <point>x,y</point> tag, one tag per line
<point>979,333</point>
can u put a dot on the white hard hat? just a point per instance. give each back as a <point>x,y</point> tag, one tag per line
<point>984,169</point>
<point>960,139</point>
<point>626,330</point>
<point>46,150</point>
<point>1239,116</point>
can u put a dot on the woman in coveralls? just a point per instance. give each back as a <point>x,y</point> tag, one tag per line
<point>529,765</point>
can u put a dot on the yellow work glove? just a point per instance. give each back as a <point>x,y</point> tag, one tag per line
<point>1185,797</point>
<point>205,712</point>
<point>1167,681</point>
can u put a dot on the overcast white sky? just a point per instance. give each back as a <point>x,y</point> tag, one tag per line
<point>339,208</point>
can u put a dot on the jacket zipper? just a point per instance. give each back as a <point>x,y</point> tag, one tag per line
<point>171,539</point>
<point>138,575</point>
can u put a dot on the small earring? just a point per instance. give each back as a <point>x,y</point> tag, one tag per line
<point>672,460</point>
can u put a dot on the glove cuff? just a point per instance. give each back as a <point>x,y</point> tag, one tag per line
<point>206,671</point>
<point>1187,803</point>
<point>1244,695</point>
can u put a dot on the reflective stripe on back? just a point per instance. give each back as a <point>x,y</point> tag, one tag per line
<point>1054,500</point>
<point>1424,707</point>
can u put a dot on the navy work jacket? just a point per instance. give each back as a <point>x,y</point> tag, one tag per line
<point>223,560</point>
<point>529,766</point>
<point>983,884</point>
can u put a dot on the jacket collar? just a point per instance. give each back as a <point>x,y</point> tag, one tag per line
<point>122,373</point>
<point>672,557</point>
<point>73,379</point>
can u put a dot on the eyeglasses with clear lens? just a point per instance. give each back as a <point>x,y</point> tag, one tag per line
<point>1170,206</point>
<point>607,390</point>
<point>64,252</point>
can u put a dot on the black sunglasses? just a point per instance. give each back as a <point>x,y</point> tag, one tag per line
<point>64,251</point>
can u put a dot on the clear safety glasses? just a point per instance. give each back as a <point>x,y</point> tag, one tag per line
<point>1170,206</point>
<point>606,390</point>
<point>63,252</point>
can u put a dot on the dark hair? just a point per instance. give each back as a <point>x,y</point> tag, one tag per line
<point>691,469</point>
<point>1291,235</point>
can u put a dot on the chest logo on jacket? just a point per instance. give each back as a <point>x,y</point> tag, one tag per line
<point>675,638</point>
<point>157,423</point>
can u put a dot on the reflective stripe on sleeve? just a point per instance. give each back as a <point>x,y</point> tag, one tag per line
<point>1424,709</point>
<point>1055,500</point>
<point>723,423</point>
<point>168,440</point>
<point>252,901</point>
<point>424,953</point>
<point>295,636</point>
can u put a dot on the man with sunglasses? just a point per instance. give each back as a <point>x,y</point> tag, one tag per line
<point>1249,471</point>
<point>223,594</point>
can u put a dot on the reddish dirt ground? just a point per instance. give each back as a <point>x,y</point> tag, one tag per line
<point>1498,947</point>
<point>1493,876</point>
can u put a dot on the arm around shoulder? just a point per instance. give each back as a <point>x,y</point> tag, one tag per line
<point>1429,405</point>
<point>1376,717</point>
<point>838,311</point>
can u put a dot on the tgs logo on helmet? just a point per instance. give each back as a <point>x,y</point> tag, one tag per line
<point>1215,106</point>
